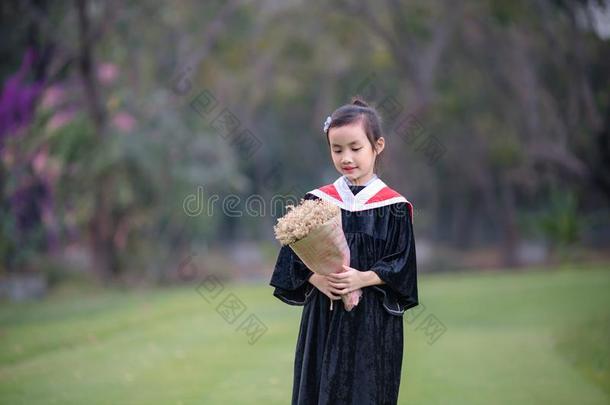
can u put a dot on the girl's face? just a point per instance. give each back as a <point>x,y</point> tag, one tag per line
<point>352,153</point>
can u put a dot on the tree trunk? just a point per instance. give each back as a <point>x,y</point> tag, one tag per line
<point>101,225</point>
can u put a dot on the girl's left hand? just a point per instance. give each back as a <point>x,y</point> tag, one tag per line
<point>350,280</point>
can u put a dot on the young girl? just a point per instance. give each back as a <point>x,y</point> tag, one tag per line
<point>354,357</point>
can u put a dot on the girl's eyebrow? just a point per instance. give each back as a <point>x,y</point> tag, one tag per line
<point>351,143</point>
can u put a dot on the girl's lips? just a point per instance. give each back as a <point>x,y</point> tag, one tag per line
<point>345,169</point>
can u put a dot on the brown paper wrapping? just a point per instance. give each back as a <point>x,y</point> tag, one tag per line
<point>324,250</point>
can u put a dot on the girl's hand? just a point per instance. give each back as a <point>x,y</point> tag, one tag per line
<point>322,283</point>
<point>350,280</point>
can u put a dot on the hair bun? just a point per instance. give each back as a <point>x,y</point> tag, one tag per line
<point>357,100</point>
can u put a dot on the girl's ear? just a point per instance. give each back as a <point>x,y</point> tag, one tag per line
<point>380,144</point>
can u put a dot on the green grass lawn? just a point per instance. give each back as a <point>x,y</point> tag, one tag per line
<point>510,338</point>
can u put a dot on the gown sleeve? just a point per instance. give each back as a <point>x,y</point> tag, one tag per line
<point>398,267</point>
<point>291,276</point>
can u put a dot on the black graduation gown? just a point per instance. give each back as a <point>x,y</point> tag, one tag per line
<point>354,357</point>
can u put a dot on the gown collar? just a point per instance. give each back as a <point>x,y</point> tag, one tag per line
<point>375,194</point>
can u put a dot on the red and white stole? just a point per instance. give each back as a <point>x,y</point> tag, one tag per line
<point>376,194</point>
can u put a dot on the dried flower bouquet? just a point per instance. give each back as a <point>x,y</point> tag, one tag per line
<point>314,232</point>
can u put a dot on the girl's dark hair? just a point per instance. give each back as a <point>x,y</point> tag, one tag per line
<point>358,111</point>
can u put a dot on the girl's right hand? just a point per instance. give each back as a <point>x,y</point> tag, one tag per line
<point>322,283</point>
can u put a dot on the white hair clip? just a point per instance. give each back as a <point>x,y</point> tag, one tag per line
<point>327,123</point>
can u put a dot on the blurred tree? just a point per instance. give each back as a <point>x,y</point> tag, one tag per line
<point>101,141</point>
